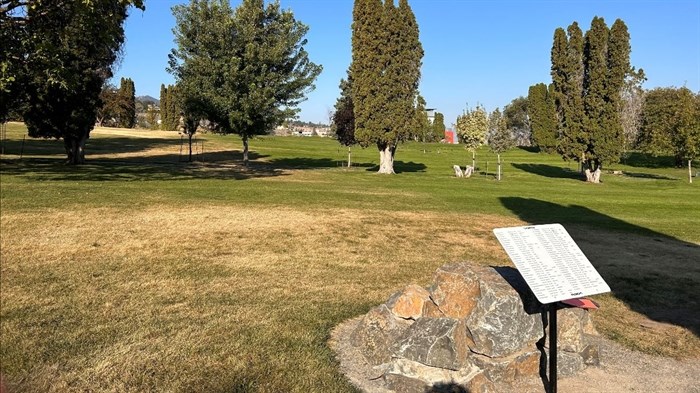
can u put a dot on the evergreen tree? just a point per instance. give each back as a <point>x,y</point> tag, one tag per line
<point>438,126</point>
<point>543,120</point>
<point>164,119</point>
<point>127,103</point>
<point>422,128</point>
<point>173,108</point>
<point>386,61</point>
<point>343,121</point>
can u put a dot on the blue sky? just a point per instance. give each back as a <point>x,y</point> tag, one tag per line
<point>476,51</point>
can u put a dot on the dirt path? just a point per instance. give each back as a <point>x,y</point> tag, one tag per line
<point>620,371</point>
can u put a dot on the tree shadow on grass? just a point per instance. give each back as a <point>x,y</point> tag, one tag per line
<point>158,167</point>
<point>116,145</point>
<point>549,171</point>
<point>652,176</point>
<point>654,274</point>
<point>530,149</point>
<point>313,163</point>
<point>644,160</point>
<point>401,167</point>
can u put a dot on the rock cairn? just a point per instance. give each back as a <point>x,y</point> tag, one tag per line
<point>475,329</point>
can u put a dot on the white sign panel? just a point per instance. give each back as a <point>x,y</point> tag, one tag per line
<point>551,262</point>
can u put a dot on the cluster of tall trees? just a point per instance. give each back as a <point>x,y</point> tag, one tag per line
<point>384,75</point>
<point>56,57</point>
<point>118,106</point>
<point>170,108</point>
<point>588,73</point>
<point>244,69</point>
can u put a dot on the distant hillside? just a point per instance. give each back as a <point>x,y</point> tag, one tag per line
<point>148,100</point>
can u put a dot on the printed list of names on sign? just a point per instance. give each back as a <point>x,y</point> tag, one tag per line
<point>551,262</point>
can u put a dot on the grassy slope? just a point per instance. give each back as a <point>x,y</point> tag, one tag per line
<point>136,272</point>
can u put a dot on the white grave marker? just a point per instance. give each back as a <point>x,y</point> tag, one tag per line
<point>551,263</point>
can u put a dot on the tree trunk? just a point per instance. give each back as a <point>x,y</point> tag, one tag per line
<point>189,136</point>
<point>499,167</point>
<point>386,159</point>
<point>474,159</point>
<point>349,154</point>
<point>75,149</point>
<point>592,171</point>
<point>245,151</point>
<point>690,171</point>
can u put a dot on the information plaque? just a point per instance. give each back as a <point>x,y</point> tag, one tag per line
<point>551,263</point>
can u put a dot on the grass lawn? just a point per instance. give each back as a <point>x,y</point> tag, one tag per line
<point>138,272</point>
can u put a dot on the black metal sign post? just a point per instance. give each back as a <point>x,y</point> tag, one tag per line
<point>552,348</point>
<point>555,269</point>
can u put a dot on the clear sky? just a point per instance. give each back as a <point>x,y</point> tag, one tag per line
<point>476,51</point>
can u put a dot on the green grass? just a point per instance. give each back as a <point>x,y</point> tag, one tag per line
<point>138,272</point>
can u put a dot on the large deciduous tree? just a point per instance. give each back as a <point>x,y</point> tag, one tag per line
<point>671,125</point>
<point>57,61</point>
<point>472,127</point>
<point>588,76</point>
<point>245,68</point>
<point>631,109</point>
<point>386,61</point>
<point>518,121</point>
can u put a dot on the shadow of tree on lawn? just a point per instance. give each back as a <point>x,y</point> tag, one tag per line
<point>549,171</point>
<point>402,167</point>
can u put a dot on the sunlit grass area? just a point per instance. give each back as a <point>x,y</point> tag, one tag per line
<point>142,272</point>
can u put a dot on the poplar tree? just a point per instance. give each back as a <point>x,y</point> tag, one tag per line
<point>543,119</point>
<point>343,121</point>
<point>386,61</point>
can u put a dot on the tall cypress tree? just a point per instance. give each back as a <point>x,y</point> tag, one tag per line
<point>567,88</point>
<point>439,126</point>
<point>127,103</point>
<point>164,120</point>
<point>543,120</point>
